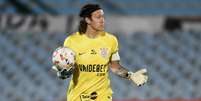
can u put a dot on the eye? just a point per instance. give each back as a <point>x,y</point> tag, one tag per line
<point>100,17</point>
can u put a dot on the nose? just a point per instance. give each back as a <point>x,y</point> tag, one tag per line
<point>102,20</point>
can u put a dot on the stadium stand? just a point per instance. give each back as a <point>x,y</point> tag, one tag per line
<point>171,58</point>
<point>144,7</point>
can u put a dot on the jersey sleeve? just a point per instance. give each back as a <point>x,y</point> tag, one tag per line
<point>115,55</point>
<point>115,45</point>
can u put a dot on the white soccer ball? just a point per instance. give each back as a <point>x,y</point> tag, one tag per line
<point>63,57</point>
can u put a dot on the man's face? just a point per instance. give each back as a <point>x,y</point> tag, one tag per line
<point>97,20</point>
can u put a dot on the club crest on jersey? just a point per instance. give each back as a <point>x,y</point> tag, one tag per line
<point>104,52</point>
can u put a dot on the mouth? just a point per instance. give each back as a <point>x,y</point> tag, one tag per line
<point>102,25</point>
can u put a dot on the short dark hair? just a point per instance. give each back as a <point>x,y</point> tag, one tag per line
<point>86,11</point>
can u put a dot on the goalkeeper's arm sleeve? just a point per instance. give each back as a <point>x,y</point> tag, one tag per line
<point>63,73</point>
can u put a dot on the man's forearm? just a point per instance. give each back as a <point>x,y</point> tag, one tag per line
<point>139,77</point>
<point>121,71</point>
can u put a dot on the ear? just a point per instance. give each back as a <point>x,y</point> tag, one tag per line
<point>88,20</point>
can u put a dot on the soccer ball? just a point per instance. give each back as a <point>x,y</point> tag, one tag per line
<point>63,57</point>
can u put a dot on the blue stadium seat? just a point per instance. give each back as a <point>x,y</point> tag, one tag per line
<point>172,59</point>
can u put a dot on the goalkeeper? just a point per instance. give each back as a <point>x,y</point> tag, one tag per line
<point>96,51</point>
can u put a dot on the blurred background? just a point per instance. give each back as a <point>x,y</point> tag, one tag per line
<point>162,35</point>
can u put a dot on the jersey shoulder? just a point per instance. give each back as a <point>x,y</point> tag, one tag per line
<point>71,39</point>
<point>73,36</point>
<point>111,36</point>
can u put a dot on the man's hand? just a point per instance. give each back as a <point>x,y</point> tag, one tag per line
<point>139,77</point>
<point>63,73</point>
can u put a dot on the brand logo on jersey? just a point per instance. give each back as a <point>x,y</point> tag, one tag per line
<point>104,52</point>
<point>93,52</point>
<point>93,95</point>
<point>92,67</point>
<point>81,53</point>
<point>87,97</point>
<point>109,97</point>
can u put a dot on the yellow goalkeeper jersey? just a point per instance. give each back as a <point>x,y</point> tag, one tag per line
<point>90,81</point>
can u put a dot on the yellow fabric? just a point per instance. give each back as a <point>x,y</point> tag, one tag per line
<point>90,77</point>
